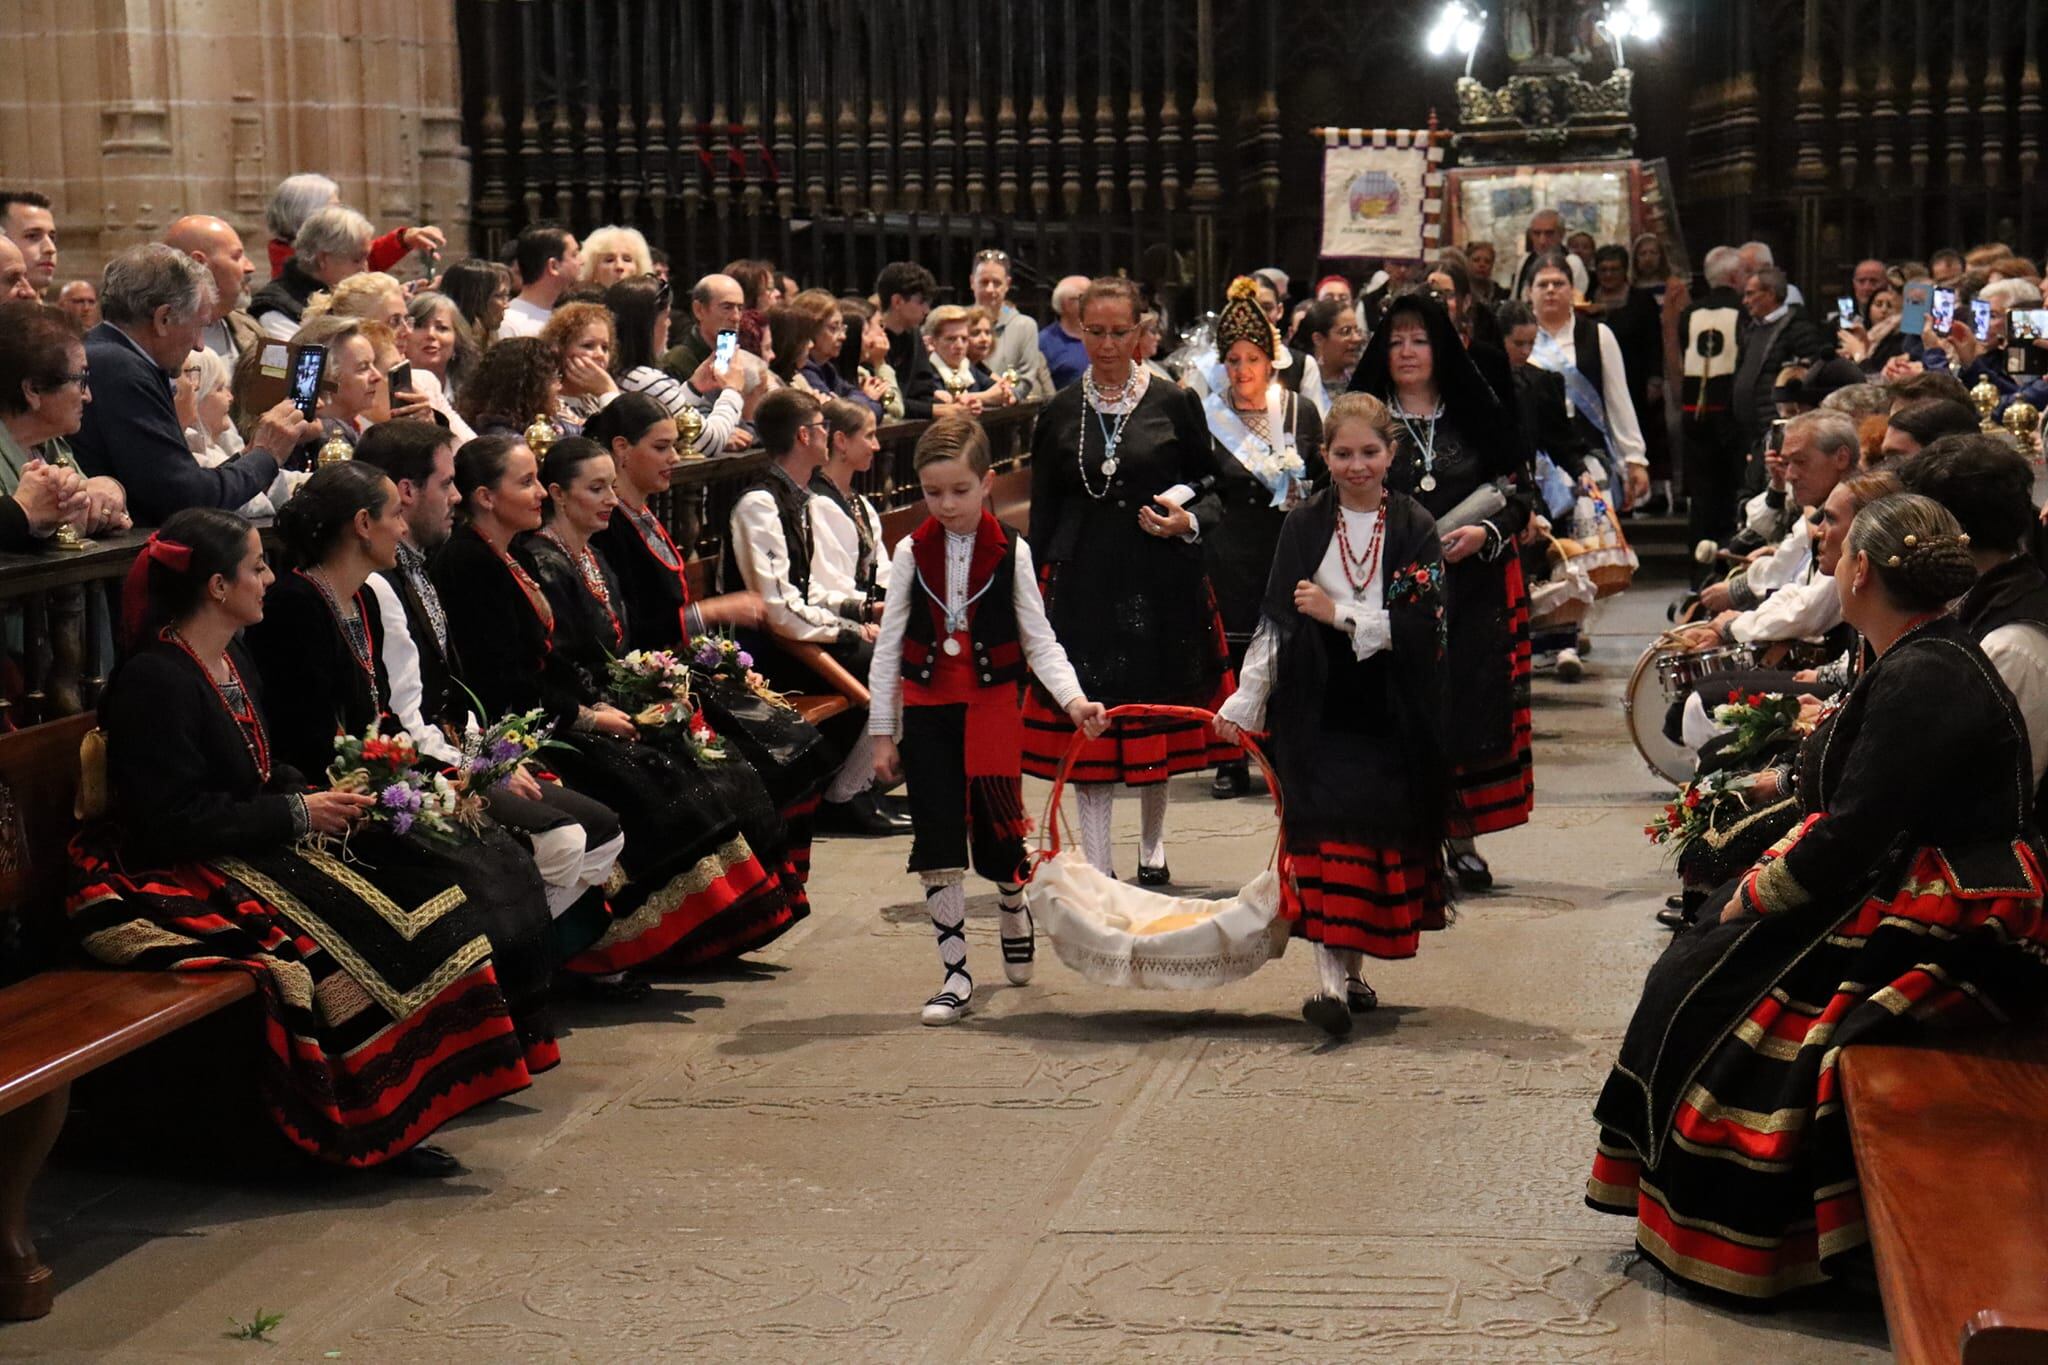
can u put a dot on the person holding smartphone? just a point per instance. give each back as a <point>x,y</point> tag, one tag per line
<point>1973,360</point>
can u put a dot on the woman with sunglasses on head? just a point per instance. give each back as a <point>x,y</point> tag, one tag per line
<point>1120,465</point>
<point>1458,453</point>
<point>1016,335</point>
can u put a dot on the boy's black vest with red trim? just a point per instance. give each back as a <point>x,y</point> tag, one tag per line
<point>993,648</point>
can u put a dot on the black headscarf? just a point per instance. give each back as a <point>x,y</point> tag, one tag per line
<point>1469,401</point>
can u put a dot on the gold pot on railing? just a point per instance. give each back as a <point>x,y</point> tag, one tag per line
<point>541,435</point>
<point>334,450</point>
<point>689,427</point>
<point>2023,420</point>
<point>66,536</point>
<point>1985,396</point>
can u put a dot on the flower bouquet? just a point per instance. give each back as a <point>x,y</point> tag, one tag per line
<point>653,686</point>
<point>720,656</point>
<point>387,768</point>
<point>490,756</point>
<point>1690,814</point>
<point>1756,721</point>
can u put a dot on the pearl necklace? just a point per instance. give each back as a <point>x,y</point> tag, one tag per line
<point>1095,399</point>
<point>1369,561</point>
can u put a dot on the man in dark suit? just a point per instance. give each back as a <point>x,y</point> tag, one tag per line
<point>157,300</point>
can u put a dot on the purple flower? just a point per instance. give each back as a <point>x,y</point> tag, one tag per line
<point>744,659</point>
<point>400,823</point>
<point>505,750</point>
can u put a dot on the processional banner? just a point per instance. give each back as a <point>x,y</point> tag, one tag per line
<point>1383,192</point>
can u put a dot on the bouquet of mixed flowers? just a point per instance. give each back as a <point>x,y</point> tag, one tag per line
<point>1691,812</point>
<point>652,686</point>
<point>720,656</point>
<point>1756,721</point>
<point>490,756</point>
<point>387,768</point>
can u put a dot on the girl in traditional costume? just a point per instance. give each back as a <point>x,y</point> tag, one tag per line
<point>1346,672</point>
<point>1269,445</point>
<point>963,621</point>
<point>382,1014</point>
<point>1908,897</point>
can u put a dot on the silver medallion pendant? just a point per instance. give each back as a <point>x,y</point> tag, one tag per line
<point>1109,468</point>
<point>1428,484</point>
<point>952,646</point>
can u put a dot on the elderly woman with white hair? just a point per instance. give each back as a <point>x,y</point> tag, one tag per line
<point>299,197</point>
<point>205,398</point>
<point>333,244</point>
<point>614,253</point>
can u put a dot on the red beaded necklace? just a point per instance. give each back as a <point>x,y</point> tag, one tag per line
<point>248,723</point>
<point>585,563</point>
<point>1369,561</point>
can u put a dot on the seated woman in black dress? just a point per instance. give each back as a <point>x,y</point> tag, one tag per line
<point>689,869</point>
<point>1908,897</point>
<point>789,754</point>
<point>203,863</point>
<point>591,629</point>
<point>318,649</point>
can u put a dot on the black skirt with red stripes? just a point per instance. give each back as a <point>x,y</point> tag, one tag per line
<point>1497,791</point>
<point>382,1015</point>
<point>1722,1131</point>
<point>1372,900</point>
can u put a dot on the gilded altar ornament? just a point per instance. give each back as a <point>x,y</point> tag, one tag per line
<point>335,450</point>
<point>689,426</point>
<point>541,435</point>
<point>2023,420</point>
<point>1985,396</point>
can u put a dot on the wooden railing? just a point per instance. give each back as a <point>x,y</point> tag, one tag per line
<point>56,607</point>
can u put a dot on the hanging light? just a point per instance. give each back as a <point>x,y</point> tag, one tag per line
<point>1458,29</point>
<point>1636,19</point>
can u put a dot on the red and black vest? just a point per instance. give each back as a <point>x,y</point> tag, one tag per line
<point>992,649</point>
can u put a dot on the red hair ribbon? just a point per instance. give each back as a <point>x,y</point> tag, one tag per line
<point>135,591</point>
<point>169,553</point>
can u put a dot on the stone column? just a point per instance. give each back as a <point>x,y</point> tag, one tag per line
<point>131,113</point>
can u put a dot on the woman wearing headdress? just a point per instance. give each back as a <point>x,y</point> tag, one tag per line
<point>382,1014</point>
<point>1121,473</point>
<point>1269,444</point>
<point>1458,455</point>
<point>1908,897</point>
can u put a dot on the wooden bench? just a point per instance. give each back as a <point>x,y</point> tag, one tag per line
<point>58,1025</point>
<point>1952,1146</point>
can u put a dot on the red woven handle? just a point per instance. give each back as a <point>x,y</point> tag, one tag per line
<point>1049,833</point>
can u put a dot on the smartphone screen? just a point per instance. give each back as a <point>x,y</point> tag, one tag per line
<point>1845,309</point>
<point>1913,318</point>
<point>2026,324</point>
<point>308,369</point>
<point>721,358</point>
<point>1943,310</point>
<point>1980,320</point>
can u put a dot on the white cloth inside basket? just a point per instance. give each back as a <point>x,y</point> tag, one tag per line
<point>1118,934</point>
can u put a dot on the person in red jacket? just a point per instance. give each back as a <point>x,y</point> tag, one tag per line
<point>298,197</point>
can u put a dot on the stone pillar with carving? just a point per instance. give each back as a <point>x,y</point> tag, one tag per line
<point>172,108</point>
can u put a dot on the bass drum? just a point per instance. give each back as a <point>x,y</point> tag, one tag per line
<point>1642,709</point>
